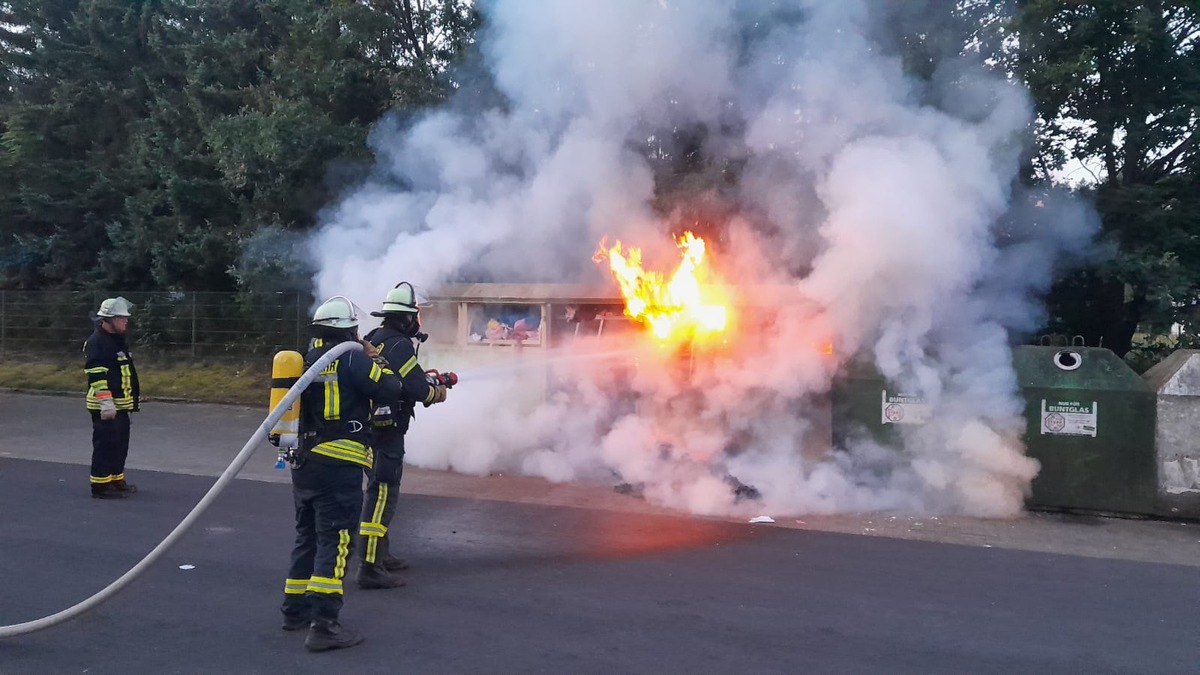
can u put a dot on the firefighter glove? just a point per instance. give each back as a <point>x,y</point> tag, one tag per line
<point>108,409</point>
<point>436,395</point>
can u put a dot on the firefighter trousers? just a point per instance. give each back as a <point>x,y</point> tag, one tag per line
<point>328,497</point>
<point>382,493</point>
<point>110,447</point>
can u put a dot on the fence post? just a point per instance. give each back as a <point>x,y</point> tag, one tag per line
<point>193,324</point>
<point>3,319</point>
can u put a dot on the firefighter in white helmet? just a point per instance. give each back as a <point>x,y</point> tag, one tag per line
<point>397,339</point>
<point>333,453</point>
<point>112,394</point>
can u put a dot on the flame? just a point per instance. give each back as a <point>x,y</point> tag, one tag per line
<point>676,309</point>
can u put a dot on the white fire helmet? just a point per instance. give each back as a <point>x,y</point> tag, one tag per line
<point>336,312</point>
<point>112,307</point>
<point>401,299</point>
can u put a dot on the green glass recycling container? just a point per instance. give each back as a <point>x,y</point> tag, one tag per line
<point>1090,422</point>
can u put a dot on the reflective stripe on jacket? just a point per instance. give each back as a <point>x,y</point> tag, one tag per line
<point>401,354</point>
<point>109,368</point>
<point>335,410</point>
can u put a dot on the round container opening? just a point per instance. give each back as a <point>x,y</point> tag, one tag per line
<point>1068,360</point>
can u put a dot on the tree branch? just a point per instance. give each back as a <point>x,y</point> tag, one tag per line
<point>1163,165</point>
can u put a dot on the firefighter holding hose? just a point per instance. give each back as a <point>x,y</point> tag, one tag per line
<point>397,340</point>
<point>334,451</point>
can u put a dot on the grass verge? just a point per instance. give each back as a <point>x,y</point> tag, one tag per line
<point>201,382</point>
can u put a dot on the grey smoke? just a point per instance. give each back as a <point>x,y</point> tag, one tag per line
<point>888,203</point>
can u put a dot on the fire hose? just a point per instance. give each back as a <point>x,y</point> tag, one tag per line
<point>222,482</point>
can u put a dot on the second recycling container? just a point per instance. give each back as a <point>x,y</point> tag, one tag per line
<point>1090,421</point>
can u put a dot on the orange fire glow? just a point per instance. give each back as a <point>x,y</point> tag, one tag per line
<point>680,308</point>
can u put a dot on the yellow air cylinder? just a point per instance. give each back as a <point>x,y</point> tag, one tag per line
<point>286,368</point>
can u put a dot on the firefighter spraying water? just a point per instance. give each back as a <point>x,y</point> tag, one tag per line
<point>356,420</point>
<point>350,409</point>
<point>397,342</point>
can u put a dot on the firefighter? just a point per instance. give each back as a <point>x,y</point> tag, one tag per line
<point>396,339</point>
<point>333,453</point>
<point>112,395</point>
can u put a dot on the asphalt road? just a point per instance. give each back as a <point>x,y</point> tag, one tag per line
<point>504,586</point>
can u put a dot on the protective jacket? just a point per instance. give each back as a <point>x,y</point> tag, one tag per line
<point>398,350</point>
<point>335,410</point>
<point>109,367</point>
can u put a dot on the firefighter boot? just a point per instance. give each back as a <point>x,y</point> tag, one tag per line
<point>326,634</point>
<point>123,487</point>
<point>295,619</point>
<point>106,491</point>
<point>375,576</point>
<point>390,562</point>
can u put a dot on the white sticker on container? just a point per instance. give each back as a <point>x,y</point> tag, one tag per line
<point>1069,418</point>
<point>904,409</point>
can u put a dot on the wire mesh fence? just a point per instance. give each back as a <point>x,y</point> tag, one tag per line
<point>201,326</point>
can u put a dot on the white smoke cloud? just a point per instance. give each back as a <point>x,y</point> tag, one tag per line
<point>886,202</point>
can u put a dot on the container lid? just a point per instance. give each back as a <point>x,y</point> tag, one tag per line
<point>1091,368</point>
